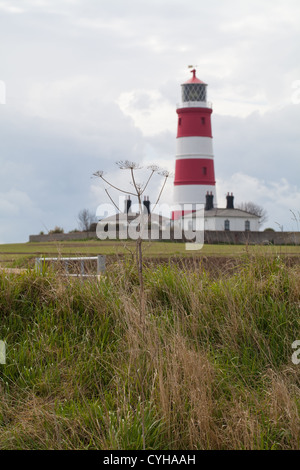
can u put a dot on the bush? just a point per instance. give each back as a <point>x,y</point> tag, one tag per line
<point>56,230</point>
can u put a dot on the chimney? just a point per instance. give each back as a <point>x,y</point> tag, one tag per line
<point>127,204</point>
<point>146,203</point>
<point>209,204</point>
<point>229,201</point>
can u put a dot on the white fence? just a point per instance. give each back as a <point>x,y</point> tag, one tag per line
<point>66,262</point>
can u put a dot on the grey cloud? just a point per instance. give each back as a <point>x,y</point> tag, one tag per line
<point>263,145</point>
<point>51,163</point>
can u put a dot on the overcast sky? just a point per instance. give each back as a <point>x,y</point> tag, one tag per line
<point>91,82</point>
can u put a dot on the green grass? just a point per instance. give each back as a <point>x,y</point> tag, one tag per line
<point>23,254</point>
<point>208,367</point>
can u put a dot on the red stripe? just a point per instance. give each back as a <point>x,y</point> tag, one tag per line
<point>194,122</point>
<point>194,171</point>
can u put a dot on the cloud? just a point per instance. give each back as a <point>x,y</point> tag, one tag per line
<point>13,202</point>
<point>52,160</point>
<point>7,8</point>
<point>149,110</point>
<point>261,145</point>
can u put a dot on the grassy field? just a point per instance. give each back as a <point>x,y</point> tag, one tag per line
<point>23,254</point>
<point>207,366</point>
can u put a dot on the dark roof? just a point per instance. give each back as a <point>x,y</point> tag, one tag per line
<point>218,212</point>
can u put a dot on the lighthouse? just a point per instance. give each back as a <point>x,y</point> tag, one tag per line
<point>194,168</point>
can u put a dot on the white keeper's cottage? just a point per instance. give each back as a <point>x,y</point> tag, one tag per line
<point>226,219</point>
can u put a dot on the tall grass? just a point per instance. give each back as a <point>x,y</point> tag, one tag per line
<point>208,367</point>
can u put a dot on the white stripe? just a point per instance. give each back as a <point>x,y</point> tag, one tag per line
<point>193,193</point>
<point>183,157</point>
<point>194,104</point>
<point>194,146</point>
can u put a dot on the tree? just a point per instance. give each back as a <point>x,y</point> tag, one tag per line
<point>254,209</point>
<point>85,219</point>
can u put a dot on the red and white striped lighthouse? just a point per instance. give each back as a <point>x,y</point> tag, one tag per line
<point>194,169</point>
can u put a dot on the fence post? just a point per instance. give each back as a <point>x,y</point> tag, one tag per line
<point>38,265</point>
<point>82,267</point>
<point>66,265</point>
<point>101,264</point>
<point>2,352</point>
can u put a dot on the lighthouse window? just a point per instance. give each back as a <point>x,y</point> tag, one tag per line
<point>204,170</point>
<point>227,225</point>
<point>179,121</point>
<point>194,92</point>
<point>203,120</point>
